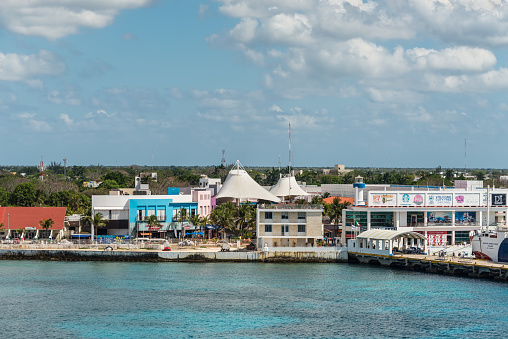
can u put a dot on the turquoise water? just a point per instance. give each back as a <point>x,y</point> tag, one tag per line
<point>217,300</point>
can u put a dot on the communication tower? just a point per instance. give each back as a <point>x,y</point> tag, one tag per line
<point>41,168</point>
<point>65,167</point>
<point>223,160</point>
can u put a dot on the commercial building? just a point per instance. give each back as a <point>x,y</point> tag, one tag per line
<point>25,222</point>
<point>443,216</point>
<point>282,225</point>
<point>127,214</point>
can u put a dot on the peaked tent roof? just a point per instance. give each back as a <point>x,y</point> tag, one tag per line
<point>239,185</point>
<point>287,186</point>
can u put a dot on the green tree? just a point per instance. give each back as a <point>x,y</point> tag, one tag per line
<point>4,197</point>
<point>24,194</point>
<point>109,184</point>
<point>334,210</point>
<point>46,224</point>
<point>97,221</point>
<point>118,177</point>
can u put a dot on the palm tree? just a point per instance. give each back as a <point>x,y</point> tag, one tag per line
<point>334,210</point>
<point>152,221</point>
<point>97,220</point>
<point>46,224</point>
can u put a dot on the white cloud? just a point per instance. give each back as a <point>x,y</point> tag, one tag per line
<point>66,119</point>
<point>275,108</point>
<point>18,67</point>
<point>25,115</point>
<point>55,19</point>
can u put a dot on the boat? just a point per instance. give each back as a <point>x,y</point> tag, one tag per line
<point>490,243</point>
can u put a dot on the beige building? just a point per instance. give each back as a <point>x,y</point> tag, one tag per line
<point>288,225</point>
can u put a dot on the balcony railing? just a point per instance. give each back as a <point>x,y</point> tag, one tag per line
<point>145,219</point>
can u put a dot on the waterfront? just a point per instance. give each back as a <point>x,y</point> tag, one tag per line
<point>113,299</point>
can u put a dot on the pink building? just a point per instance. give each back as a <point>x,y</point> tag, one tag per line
<point>204,199</point>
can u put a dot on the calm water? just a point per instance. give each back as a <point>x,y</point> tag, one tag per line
<point>97,299</point>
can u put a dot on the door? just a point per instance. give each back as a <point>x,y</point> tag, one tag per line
<point>414,219</point>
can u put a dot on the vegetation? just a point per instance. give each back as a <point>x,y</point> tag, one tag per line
<point>97,221</point>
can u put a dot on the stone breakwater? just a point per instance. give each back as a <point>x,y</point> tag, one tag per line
<point>176,256</point>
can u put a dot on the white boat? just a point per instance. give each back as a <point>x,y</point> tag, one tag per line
<point>490,243</point>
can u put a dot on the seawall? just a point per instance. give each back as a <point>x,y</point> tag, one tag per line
<point>177,256</point>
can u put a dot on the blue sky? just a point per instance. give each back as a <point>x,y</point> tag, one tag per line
<point>364,83</point>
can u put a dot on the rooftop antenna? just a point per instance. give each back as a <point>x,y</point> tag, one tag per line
<point>279,164</point>
<point>65,168</point>
<point>152,159</point>
<point>223,160</point>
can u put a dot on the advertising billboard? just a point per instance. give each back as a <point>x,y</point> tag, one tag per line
<point>498,199</point>
<point>439,218</point>
<point>465,218</point>
<point>384,199</point>
<point>467,199</point>
<point>436,238</point>
<point>439,199</point>
<point>411,199</point>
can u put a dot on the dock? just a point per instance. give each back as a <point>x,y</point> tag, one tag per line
<point>454,266</point>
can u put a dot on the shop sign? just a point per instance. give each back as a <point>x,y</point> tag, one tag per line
<point>383,199</point>
<point>498,200</point>
<point>467,199</point>
<point>410,199</point>
<point>154,228</point>
<point>439,199</point>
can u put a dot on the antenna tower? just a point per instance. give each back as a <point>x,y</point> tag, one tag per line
<point>465,155</point>
<point>41,168</point>
<point>65,167</point>
<point>223,160</point>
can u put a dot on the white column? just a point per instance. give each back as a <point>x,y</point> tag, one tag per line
<point>453,218</point>
<point>397,219</point>
<point>425,221</point>
<point>453,237</point>
<point>479,218</point>
<point>368,220</point>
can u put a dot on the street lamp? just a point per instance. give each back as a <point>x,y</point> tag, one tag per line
<point>8,226</point>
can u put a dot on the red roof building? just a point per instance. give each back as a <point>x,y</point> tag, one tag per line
<point>329,200</point>
<point>23,217</point>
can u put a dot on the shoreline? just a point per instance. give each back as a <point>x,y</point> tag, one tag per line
<point>472,268</point>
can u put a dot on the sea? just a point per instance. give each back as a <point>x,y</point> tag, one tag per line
<point>51,299</point>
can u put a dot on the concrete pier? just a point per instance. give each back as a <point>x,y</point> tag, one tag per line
<point>177,256</point>
<point>466,267</point>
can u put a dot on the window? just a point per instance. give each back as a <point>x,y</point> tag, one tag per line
<point>268,215</point>
<point>301,216</point>
<point>141,215</point>
<point>284,215</point>
<point>301,228</point>
<point>268,228</point>
<point>284,229</point>
<point>161,215</point>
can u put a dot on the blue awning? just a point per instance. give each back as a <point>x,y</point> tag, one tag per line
<point>81,235</point>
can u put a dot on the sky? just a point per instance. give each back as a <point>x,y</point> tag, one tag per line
<point>396,83</point>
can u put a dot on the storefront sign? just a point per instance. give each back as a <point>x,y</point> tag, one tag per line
<point>498,199</point>
<point>434,199</point>
<point>467,199</point>
<point>383,200</point>
<point>410,199</point>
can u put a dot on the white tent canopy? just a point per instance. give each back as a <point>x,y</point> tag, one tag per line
<point>239,185</point>
<point>287,186</point>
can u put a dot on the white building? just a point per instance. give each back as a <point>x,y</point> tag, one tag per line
<point>445,216</point>
<point>288,225</point>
